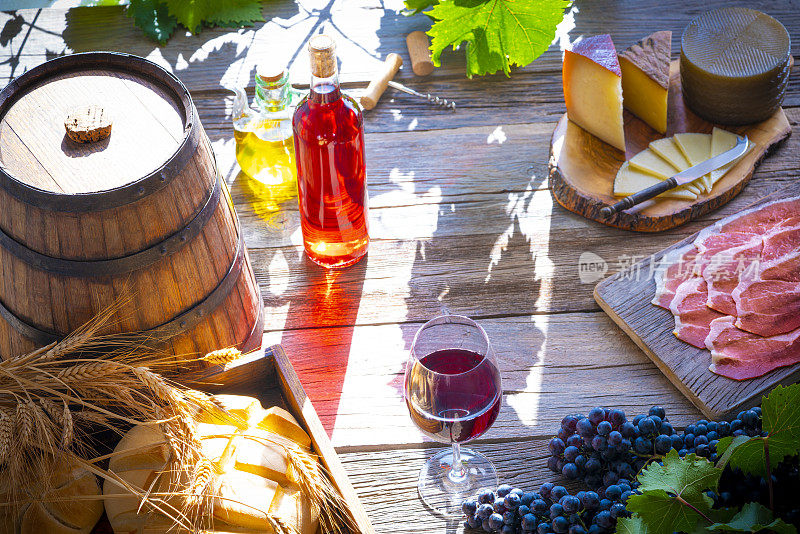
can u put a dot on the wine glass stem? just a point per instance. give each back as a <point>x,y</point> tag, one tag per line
<point>457,472</point>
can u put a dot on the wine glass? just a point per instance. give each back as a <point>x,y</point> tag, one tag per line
<point>453,391</point>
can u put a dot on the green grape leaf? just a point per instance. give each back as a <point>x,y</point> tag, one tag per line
<point>153,18</point>
<point>754,517</point>
<point>781,420</point>
<point>631,525</point>
<point>418,6</point>
<point>727,446</point>
<point>238,13</point>
<point>672,495</point>
<point>194,13</point>
<point>498,33</point>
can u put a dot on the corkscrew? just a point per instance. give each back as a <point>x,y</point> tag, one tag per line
<point>435,100</point>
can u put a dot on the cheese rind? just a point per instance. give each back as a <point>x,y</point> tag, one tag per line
<point>630,181</point>
<point>593,89</point>
<point>697,148</point>
<point>735,65</point>
<point>645,79</point>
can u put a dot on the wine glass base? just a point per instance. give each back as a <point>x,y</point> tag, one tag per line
<point>441,493</point>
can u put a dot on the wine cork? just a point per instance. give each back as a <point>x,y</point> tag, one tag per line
<point>419,50</point>
<point>322,52</point>
<point>381,81</point>
<point>88,124</point>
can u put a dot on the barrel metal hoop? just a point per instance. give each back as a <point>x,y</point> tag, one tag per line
<point>37,336</point>
<point>125,264</point>
<point>180,324</point>
<point>190,318</point>
<point>126,194</point>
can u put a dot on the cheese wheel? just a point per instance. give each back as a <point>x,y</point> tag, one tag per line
<point>254,476</point>
<point>50,511</point>
<point>735,65</point>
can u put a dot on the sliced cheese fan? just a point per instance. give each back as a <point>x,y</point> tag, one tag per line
<point>630,181</point>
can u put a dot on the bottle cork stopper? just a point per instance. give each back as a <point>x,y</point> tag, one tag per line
<point>420,53</point>
<point>322,51</point>
<point>88,124</point>
<point>381,81</point>
<point>270,72</point>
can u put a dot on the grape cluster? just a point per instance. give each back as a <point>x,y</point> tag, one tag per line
<point>550,510</point>
<point>603,447</point>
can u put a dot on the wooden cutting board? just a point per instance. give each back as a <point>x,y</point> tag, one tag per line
<point>582,168</point>
<point>626,297</point>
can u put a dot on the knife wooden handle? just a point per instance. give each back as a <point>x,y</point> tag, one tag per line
<point>639,197</point>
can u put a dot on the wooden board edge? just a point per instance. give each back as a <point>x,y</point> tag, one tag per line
<point>299,403</point>
<point>590,207</point>
<point>663,367</point>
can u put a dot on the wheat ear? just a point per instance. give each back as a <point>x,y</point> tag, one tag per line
<point>222,356</point>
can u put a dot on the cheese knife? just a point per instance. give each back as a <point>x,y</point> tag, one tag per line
<point>682,178</point>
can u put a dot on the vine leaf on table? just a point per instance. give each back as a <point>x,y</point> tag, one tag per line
<point>753,517</point>
<point>498,33</point>
<point>194,13</point>
<point>153,18</point>
<point>781,420</point>
<point>673,494</point>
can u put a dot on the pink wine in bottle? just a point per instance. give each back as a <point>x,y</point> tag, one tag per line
<point>331,175</point>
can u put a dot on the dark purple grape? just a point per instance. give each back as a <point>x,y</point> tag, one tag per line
<point>486,526</point>
<point>637,419</point>
<point>604,428</point>
<point>469,507</point>
<point>656,421</point>
<point>614,438</point>
<point>604,519</point>
<point>613,492</point>
<point>496,521</point>
<point>509,517</point>
<point>585,428</point>
<point>689,429</point>
<point>647,426</point>
<point>511,501</point>
<point>556,446</point>
<point>643,445</point>
<point>700,440</point>
<point>576,529</point>
<point>523,509</point>
<point>499,505</point>
<point>570,471</point>
<point>724,428</point>
<point>552,464</point>
<point>570,503</point>
<point>527,498</point>
<point>560,525</point>
<point>543,528</point>
<point>569,422</point>
<point>508,529</point>
<point>590,500</point>
<point>700,429</point>
<point>546,488</point>
<point>570,453</point>
<point>663,444</point>
<point>574,441</point>
<point>618,510</point>
<point>659,411</point>
<point>599,443</point>
<point>596,415</point>
<point>556,510</point>
<point>484,511</point>
<point>593,465</point>
<point>624,497</point>
<point>667,429</point>
<point>628,430</point>
<point>616,417</point>
<point>557,492</point>
<point>688,440</point>
<point>712,435</point>
<point>676,441</point>
<point>703,450</point>
<point>517,491</point>
<point>580,461</point>
<point>504,489</point>
<point>539,506</point>
<point>485,496</point>
<point>609,478</point>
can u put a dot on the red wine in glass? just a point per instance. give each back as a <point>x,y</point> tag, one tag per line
<point>464,402</point>
<point>453,393</point>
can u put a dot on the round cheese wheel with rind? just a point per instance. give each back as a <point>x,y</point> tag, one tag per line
<point>50,510</point>
<point>254,474</point>
<point>735,65</point>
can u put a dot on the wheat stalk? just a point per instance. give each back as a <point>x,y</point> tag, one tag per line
<point>6,435</point>
<point>222,356</point>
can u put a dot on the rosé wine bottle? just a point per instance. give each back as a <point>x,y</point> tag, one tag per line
<point>331,175</point>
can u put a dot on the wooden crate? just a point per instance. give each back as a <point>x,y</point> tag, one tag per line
<point>268,376</point>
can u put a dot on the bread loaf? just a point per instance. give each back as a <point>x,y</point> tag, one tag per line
<point>254,475</point>
<point>49,510</point>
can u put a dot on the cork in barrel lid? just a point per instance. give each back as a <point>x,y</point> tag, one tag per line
<point>149,120</point>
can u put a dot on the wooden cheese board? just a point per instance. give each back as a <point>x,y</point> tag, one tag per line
<point>582,168</point>
<point>626,298</point>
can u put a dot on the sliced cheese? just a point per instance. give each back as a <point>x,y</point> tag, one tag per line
<point>630,181</point>
<point>645,78</point>
<point>593,89</point>
<point>668,150</point>
<point>697,148</point>
<point>721,141</point>
<point>651,163</point>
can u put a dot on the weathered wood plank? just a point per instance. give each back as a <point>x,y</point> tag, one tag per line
<point>550,366</point>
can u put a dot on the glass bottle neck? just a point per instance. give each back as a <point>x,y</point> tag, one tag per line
<point>325,90</point>
<point>274,95</point>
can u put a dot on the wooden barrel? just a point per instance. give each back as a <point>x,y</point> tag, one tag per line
<point>143,213</point>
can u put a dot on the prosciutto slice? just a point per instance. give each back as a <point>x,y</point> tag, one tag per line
<point>760,219</point>
<point>674,268</point>
<point>741,355</point>
<point>721,273</point>
<point>692,316</point>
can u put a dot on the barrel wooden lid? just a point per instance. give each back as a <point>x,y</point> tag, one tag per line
<point>149,124</point>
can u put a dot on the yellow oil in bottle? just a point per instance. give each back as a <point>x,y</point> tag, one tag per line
<point>263,137</point>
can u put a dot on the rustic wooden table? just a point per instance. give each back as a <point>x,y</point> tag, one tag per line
<point>461,220</point>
